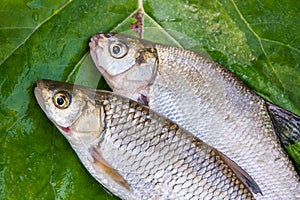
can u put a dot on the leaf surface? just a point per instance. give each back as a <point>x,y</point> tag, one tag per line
<point>258,41</point>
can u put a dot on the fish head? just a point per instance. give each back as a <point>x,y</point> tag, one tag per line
<point>71,108</point>
<point>127,63</point>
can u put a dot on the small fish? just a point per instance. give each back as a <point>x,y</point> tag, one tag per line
<point>204,98</point>
<point>136,153</point>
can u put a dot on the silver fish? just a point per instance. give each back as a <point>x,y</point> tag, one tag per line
<point>136,153</point>
<point>204,98</point>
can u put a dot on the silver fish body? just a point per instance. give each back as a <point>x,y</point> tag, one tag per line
<point>204,98</point>
<point>136,153</point>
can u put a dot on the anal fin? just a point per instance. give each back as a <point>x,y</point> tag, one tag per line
<point>241,174</point>
<point>106,168</point>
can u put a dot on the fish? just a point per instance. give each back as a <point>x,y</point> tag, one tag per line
<point>204,98</point>
<point>135,152</point>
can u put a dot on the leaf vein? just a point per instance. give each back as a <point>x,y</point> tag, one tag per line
<point>259,41</point>
<point>52,165</point>
<point>282,44</point>
<point>164,31</point>
<point>35,29</point>
<point>77,66</point>
<point>14,122</point>
<point>124,21</point>
<point>88,53</point>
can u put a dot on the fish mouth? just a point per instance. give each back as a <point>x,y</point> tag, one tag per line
<point>98,39</point>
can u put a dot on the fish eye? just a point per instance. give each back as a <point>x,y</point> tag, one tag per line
<point>62,99</point>
<point>118,49</point>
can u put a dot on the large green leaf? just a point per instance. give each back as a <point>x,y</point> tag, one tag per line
<point>258,40</point>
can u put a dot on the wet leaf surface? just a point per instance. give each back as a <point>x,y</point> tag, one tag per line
<point>259,41</point>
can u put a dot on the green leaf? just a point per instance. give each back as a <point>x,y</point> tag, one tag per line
<point>293,151</point>
<point>259,41</point>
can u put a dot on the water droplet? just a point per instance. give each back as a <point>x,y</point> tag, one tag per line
<point>34,4</point>
<point>35,16</point>
<point>193,8</point>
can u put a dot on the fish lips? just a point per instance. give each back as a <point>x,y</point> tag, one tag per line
<point>97,40</point>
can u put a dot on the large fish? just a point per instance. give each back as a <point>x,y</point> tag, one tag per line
<point>204,98</point>
<point>135,152</point>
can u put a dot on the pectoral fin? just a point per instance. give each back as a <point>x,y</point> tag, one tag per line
<point>106,168</point>
<point>241,174</point>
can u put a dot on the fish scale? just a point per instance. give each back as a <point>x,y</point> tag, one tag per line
<point>155,160</point>
<point>204,98</point>
<point>154,141</point>
<point>259,148</point>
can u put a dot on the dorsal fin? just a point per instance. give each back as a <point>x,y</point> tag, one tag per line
<point>287,128</point>
<point>287,124</point>
<point>241,174</point>
<point>108,169</point>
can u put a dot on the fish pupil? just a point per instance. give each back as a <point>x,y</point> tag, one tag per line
<point>60,101</point>
<point>116,49</point>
